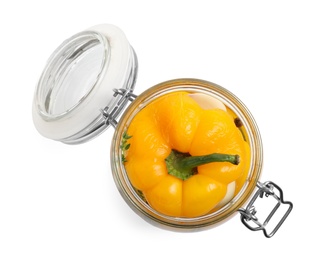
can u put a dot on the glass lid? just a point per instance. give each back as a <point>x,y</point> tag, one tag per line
<point>77,94</point>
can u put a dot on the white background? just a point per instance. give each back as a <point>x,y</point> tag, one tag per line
<point>60,202</point>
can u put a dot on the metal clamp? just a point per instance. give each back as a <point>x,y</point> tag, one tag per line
<point>248,214</point>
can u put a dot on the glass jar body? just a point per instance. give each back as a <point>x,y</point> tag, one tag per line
<point>250,131</point>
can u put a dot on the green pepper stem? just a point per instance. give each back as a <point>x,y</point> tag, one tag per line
<point>183,165</point>
<point>194,161</point>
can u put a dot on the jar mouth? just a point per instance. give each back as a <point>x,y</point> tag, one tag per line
<point>250,129</point>
<point>71,73</point>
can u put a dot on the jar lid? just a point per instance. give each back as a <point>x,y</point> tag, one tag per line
<point>77,96</point>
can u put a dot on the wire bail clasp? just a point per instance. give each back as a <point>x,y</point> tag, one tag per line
<point>248,214</point>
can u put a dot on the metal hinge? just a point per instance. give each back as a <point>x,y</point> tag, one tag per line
<point>112,111</point>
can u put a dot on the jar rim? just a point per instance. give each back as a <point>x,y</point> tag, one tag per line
<point>142,208</point>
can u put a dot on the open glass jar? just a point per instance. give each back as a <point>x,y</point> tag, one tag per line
<point>87,84</point>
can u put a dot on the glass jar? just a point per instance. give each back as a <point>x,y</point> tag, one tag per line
<point>250,131</point>
<point>85,87</point>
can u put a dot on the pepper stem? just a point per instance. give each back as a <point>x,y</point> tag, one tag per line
<point>183,165</point>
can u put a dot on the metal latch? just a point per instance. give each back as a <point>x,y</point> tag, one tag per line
<point>249,213</point>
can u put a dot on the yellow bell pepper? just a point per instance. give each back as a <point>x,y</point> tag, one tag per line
<point>182,157</point>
